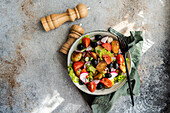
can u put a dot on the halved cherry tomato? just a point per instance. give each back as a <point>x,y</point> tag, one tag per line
<point>86,42</point>
<point>106,82</point>
<point>83,70</point>
<point>123,68</point>
<point>77,73</point>
<point>120,59</point>
<point>91,86</point>
<point>107,58</point>
<point>107,46</point>
<point>77,65</point>
<point>115,46</point>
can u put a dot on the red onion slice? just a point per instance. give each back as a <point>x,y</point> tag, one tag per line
<point>84,54</point>
<point>99,42</point>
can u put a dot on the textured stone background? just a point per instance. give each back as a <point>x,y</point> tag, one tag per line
<point>33,74</point>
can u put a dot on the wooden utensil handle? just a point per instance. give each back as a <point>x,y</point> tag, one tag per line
<point>76,32</point>
<point>55,20</point>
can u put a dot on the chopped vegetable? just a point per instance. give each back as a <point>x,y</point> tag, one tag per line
<point>119,78</point>
<point>101,66</point>
<point>72,74</point>
<point>107,46</point>
<point>105,52</point>
<point>87,59</point>
<point>106,82</point>
<point>98,76</point>
<point>120,59</point>
<point>91,86</point>
<point>115,46</point>
<point>86,42</point>
<point>104,39</point>
<point>92,69</point>
<point>87,36</point>
<point>94,55</point>
<point>77,65</point>
<point>107,58</point>
<point>122,68</point>
<point>83,70</point>
<point>83,77</point>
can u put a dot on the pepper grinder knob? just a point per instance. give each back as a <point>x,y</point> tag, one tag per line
<point>76,32</point>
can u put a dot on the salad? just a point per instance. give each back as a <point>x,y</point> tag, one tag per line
<point>97,63</point>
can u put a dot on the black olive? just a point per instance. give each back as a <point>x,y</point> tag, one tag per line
<point>93,44</point>
<point>98,37</point>
<point>115,65</point>
<point>110,65</point>
<point>108,75</point>
<point>94,62</point>
<point>81,82</point>
<point>80,47</point>
<point>99,86</point>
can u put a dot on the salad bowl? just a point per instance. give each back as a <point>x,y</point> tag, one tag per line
<point>105,90</point>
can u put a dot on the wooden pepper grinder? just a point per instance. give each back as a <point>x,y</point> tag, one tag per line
<point>76,32</point>
<point>55,20</point>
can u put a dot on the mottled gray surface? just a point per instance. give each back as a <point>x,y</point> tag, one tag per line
<point>33,74</point>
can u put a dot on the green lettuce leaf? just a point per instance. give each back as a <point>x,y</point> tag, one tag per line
<point>102,52</point>
<point>87,36</point>
<point>119,78</point>
<point>72,74</point>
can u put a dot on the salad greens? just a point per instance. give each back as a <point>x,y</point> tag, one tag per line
<point>105,52</point>
<point>87,36</point>
<point>72,74</point>
<point>119,78</point>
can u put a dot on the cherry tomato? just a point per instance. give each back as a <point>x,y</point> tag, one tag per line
<point>91,86</point>
<point>83,70</point>
<point>106,82</point>
<point>122,68</point>
<point>120,59</point>
<point>107,58</point>
<point>77,65</point>
<point>107,46</point>
<point>86,42</point>
<point>115,46</point>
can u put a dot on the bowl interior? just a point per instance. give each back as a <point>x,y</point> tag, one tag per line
<point>83,87</point>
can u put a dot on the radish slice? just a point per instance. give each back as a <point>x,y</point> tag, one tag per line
<point>92,38</point>
<point>96,81</point>
<point>110,39</point>
<point>114,74</point>
<point>89,48</point>
<point>99,42</point>
<point>83,77</point>
<point>104,39</point>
